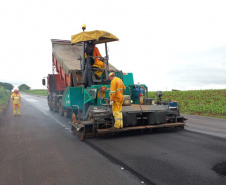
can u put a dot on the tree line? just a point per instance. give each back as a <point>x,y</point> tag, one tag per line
<point>10,87</point>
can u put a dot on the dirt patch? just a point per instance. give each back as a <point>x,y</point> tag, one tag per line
<point>220,168</point>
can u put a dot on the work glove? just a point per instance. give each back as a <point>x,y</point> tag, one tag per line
<point>111,102</point>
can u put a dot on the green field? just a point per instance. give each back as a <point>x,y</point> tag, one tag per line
<point>198,102</point>
<point>4,98</point>
<point>40,92</point>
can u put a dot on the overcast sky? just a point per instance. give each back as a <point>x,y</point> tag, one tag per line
<point>167,44</point>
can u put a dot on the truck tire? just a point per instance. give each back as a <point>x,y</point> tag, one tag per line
<point>54,104</point>
<point>61,109</point>
<point>50,98</point>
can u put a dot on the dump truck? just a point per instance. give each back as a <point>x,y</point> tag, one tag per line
<point>89,106</point>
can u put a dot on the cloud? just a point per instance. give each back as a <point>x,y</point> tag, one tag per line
<point>204,69</point>
<point>166,44</point>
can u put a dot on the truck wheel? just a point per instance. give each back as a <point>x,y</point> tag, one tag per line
<point>55,107</point>
<point>50,105</point>
<point>61,109</point>
<point>50,102</point>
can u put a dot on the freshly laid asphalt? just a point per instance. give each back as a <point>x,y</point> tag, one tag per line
<point>38,148</point>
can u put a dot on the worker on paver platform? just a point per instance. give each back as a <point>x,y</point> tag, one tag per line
<point>98,59</point>
<point>116,95</point>
<point>16,98</point>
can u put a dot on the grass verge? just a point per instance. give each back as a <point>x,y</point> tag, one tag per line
<point>40,92</point>
<point>4,99</point>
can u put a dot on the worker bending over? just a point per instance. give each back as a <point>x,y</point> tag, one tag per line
<point>16,98</point>
<point>116,95</point>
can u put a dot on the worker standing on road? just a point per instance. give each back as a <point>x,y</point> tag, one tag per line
<point>16,98</point>
<point>116,95</point>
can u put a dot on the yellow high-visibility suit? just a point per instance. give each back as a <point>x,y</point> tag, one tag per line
<point>16,98</point>
<point>116,95</point>
<point>98,63</point>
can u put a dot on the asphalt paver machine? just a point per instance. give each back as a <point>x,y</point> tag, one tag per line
<point>89,106</point>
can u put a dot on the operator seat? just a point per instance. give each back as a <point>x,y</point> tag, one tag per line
<point>89,52</point>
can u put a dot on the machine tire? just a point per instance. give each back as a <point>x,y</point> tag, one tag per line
<point>66,114</point>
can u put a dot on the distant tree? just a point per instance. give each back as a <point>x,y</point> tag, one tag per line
<point>23,87</point>
<point>7,86</point>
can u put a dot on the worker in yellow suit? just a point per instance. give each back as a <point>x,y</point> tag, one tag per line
<point>16,98</point>
<point>116,95</point>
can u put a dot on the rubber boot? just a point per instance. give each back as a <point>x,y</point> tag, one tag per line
<point>18,112</point>
<point>121,121</point>
<point>14,111</point>
<point>118,120</point>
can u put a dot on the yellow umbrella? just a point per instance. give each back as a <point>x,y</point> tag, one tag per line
<point>98,36</point>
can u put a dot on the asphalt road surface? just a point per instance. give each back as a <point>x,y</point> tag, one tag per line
<point>38,148</point>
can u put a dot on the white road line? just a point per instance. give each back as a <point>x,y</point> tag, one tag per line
<point>31,100</point>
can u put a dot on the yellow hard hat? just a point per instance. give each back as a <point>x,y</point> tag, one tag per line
<point>111,74</point>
